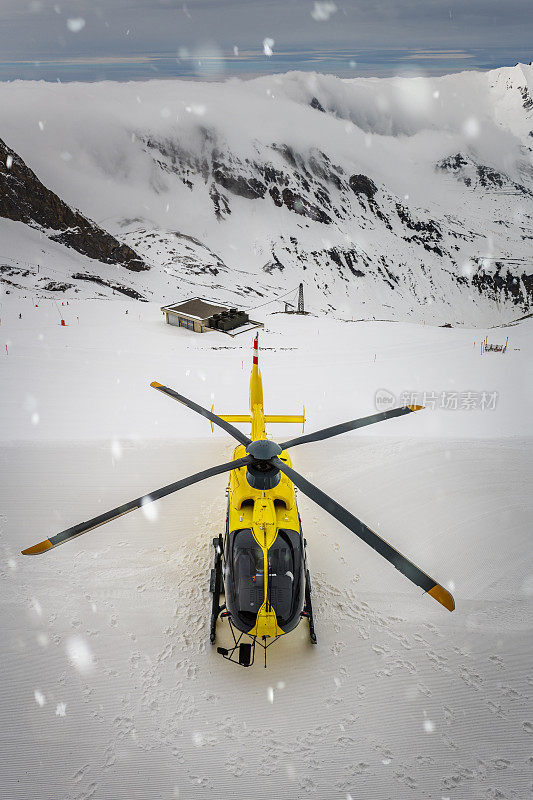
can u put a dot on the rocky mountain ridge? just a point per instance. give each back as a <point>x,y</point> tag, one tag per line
<point>23,198</point>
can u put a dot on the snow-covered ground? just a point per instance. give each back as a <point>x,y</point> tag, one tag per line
<point>110,687</point>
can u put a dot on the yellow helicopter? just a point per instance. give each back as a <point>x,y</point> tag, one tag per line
<point>260,564</point>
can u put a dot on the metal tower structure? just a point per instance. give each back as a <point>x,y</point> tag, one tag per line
<point>301,309</point>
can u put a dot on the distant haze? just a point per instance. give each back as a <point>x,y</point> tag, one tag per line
<point>217,39</point>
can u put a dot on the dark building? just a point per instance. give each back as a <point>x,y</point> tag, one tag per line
<point>201,315</point>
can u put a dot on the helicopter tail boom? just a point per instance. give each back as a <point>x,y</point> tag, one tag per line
<point>257,417</point>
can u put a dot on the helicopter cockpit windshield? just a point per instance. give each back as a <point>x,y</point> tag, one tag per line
<point>245,579</point>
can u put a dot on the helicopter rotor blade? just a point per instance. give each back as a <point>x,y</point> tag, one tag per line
<point>344,427</point>
<point>101,519</point>
<point>378,544</point>
<point>231,429</point>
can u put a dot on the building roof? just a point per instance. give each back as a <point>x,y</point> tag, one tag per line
<point>197,307</point>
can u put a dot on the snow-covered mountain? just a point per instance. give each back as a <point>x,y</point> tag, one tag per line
<point>23,198</point>
<point>402,198</point>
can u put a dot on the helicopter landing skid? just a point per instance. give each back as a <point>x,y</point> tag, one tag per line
<point>215,587</point>
<point>308,608</point>
<point>308,605</point>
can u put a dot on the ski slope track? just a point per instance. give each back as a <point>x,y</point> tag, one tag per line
<point>110,687</point>
<point>402,198</point>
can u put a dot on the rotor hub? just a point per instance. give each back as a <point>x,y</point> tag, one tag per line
<point>261,473</point>
<point>263,450</point>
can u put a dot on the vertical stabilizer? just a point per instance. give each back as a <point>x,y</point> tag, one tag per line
<point>256,384</point>
<point>256,395</point>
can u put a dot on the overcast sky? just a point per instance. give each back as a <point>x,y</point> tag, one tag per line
<point>213,39</point>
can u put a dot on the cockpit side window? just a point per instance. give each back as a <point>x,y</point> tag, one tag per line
<point>248,568</point>
<point>285,583</point>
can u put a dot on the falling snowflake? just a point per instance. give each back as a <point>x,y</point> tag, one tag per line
<point>40,699</point>
<point>61,710</point>
<point>196,108</point>
<point>268,44</point>
<point>75,24</point>
<point>9,162</point>
<point>322,11</point>
<point>471,128</point>
<point>79,654</point>
<point>149,510</point>
<point>116,449</point>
